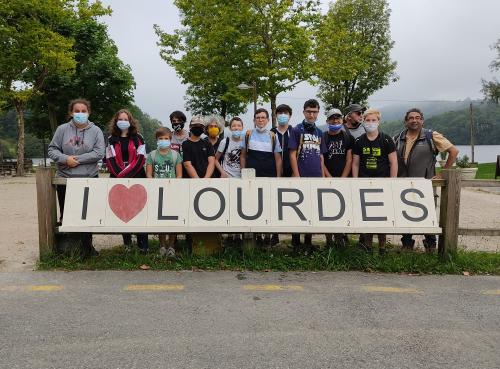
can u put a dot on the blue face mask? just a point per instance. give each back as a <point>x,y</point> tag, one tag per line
<point>163,144</point>
<point>80,118</point>
<point>334,127</point>
<point>237,134</point>
<point>282,119</point>
<point>123,124</point>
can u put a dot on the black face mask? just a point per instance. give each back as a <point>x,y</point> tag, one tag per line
<point>197,131</point>
<point>177,127</point>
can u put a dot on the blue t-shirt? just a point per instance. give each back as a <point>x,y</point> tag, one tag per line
<point>309,158</point>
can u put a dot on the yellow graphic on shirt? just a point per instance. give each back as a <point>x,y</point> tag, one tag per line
<point>371,162</point>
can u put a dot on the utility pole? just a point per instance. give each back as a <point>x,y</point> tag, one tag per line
<point>471,133</point>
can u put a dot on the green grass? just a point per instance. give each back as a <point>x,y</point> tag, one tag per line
<point>282,259</point>
<point>486,171</point>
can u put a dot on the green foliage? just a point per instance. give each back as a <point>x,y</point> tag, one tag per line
<point>148,126</point>
<point>491,89</point>
<point>282,260</point>
<point>463,162</point>
<point>486,171</point>
<point>352,52</point>
<point>224,44</point>
<point>100,76</point>
<point>455,125</point>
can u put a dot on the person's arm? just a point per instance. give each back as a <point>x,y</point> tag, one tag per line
<point>190,170</point>
<point>279,164</point>
<point>293,163</point>
<point>348,164</point>
<point>323,169</point>
<point>149,171</point>
<point>223,174</point>
<point>55,151</point>
<point>452,156</point>
<point>243,158</point>
<point>178,170</point>
<point>355,165</point>
<point>97,152</point>
<point>393,161</point>
<point>211,167</point>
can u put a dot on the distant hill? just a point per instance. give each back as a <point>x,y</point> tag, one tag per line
<point>396,111</point>
<point>455,125</point>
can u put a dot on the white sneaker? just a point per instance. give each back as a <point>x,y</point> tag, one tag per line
<point>170,252</point>
<point>163,251</point>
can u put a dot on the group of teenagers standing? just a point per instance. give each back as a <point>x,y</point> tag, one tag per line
<point>352,146</point>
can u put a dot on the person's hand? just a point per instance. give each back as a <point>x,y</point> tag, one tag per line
<point>72,161</point>
<point>224,175</point>
<point>437,176</point>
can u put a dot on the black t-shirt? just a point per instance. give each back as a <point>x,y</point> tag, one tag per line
<point>197,153</point>
<point>124,147</point>
<point>336,151</point>
<point>374,155</point>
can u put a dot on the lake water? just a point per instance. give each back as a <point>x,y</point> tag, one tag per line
<point>482,154</point>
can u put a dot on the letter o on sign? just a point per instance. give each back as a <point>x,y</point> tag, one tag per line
<point>197,204</point>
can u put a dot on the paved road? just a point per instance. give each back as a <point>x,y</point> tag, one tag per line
<point>248,320</point>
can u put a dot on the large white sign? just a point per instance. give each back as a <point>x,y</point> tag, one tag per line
<point>283,205</point>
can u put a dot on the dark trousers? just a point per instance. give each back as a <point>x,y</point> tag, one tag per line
<point>142,240</point>
<point>430,240</point>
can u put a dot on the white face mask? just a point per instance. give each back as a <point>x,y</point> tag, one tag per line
<point>370,127</point>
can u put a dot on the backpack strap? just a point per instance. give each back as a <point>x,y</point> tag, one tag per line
<point>247,139</point>
<point>223,154</point>
<point>153,156</point>
<point>273,140</point>
<point>430,141</point>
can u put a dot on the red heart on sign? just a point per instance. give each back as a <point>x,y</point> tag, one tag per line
<point>125,202</point>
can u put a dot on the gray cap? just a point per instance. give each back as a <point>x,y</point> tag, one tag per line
<point>333,111</point>
<point>354,108</point>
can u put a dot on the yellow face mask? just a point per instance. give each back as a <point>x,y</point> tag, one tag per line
<point>213,132</point>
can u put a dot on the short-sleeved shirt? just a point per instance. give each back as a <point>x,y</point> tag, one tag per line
<point>311,146</point>
<point>197,153</point>
<point>374,155</point>
<point>283,139</point>
<point>260,153</point>
<point>231,158</point>
<point>441,143</point>
<point>337,147</point>
<point>176,142</point>
<point>164,165</point>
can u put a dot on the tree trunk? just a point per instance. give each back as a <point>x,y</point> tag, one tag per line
<point>52,117</point>
<point>20,106</point>
<point>273,109</point>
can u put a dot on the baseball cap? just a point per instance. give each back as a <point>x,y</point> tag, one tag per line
<point>355,108</point>
<point>333,111</point>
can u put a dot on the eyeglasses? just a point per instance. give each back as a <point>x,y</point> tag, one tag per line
<point>311,111</point>
<point>260,117</point>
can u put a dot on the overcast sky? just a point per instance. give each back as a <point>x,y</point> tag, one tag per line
<point>442,48</point>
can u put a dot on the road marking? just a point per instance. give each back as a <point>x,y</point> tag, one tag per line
<point>390,289</point>
<point>33,288</point>
<point>154,287</point>
<point>45,288</point>
<point>491,292</point>
<point>272,287</point>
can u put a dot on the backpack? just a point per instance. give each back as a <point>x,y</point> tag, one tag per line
<point>428,138</point>
<point>247,139</point>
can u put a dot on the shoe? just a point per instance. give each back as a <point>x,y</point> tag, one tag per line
<point>163,251</point>
<point>381,252</point>
<point>170,252</point>
<point>143,251</point>
<point>127,248</point>
<point>330,244</point>
<point>362,247</point>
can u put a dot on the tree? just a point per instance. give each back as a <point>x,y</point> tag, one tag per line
<point>352,52</point>
<point>100,77</point>
<point>225,43</point>
<point>31,51</point>
<point>148,126</point>
<point>491,89</point>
